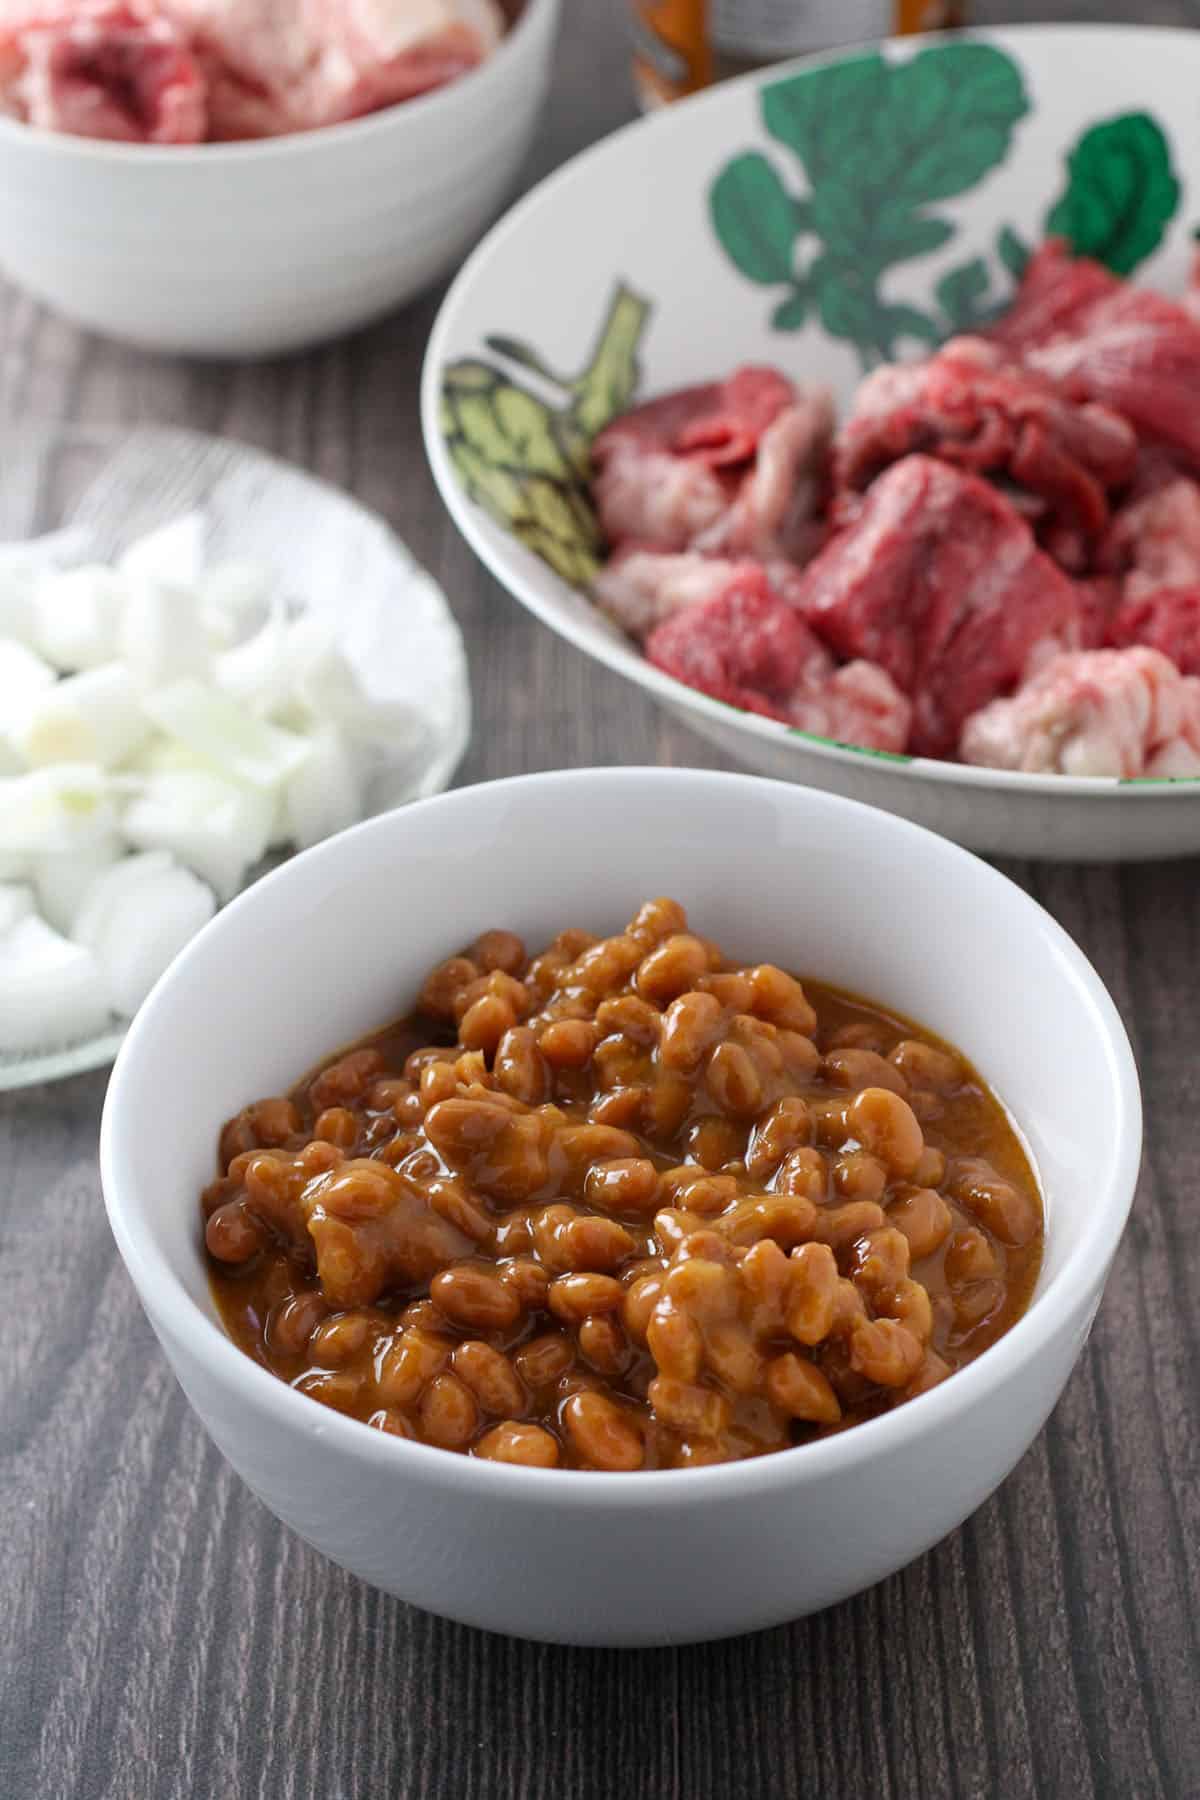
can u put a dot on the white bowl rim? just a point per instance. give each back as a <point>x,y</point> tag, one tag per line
<point>421,106</point>
<point>620,654</point>
<point>1085,1266</point>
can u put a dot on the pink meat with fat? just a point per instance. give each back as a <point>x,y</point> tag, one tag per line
<point>941,584</point>
<point>970,406</point>
<point>745,646</point>
<point>1094,712</point>
<point>731,468</point>
<point>1103,339</point>
<point>101,69</point>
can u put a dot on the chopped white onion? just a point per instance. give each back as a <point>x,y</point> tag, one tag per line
<point>234,598</point>
<point>75,616</point>
<point>160,637</point>
<point>15,903</point>
<point>136,918</point>
<point>215,827</point>
<point>255,672</point>
<point>93,717</point>
<point>51,990</point>
<point>173,553</point>
<point>64,877</point>
<point>66,807</point>
<point>325,795</point>
<point>232,740</point>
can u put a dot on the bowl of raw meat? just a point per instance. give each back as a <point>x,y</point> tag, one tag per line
<point>855,415</point>
<point>236,178</point>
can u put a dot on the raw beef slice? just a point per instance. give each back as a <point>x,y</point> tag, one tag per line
<point>940,582</point>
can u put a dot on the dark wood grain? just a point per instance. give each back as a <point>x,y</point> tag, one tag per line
<point>163,1638</point>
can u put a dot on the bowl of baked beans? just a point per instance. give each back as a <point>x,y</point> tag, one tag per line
<point>625,1206</point>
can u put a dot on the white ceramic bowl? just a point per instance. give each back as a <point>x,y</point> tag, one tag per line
<point>971,152</point>
<point>339,938</point>
<point>253,249</point>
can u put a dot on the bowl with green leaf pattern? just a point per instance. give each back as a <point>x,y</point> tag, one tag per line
<point>822,219</point>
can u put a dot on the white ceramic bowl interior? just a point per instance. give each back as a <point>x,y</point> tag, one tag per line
<point>638,210</point>
<point>257,248</point>
<point>338,940</point>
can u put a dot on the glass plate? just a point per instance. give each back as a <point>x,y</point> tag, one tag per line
<point>328,553</point>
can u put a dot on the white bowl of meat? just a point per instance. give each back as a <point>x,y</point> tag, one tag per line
<point>242,179</point>
<point>853,414</point>
<point>630,1290</point>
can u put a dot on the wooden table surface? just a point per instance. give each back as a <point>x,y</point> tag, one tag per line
<point>161,1635</point>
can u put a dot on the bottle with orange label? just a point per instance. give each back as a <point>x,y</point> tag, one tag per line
<point>681,46</point>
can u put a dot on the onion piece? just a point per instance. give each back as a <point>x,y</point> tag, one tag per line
<point>22,565</point>
<point>172,553</point>
<point>324,796</point>
<point>255,673</point>
<point>65,807</point>
<point>327,683</point>
<point>215,827</point>
<point>160,637</point>
<point>64,877</point>
<point>136,917</point>
<point>94,717</point>
<point>16,902</point>
<point>75,616</point>
<point>225,735</point>
<point>234,597</point>
<point>51,990</point>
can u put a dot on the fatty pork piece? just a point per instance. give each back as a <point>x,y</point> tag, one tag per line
<point>746,647</point>
<point>729,468</point>
<point>1154,542</point>
<point>970,406</point>
<point>1093,712</point>
<point>940,582</point>
<point>1103,339</point>
<point>102,70</point>
<point>639,588</point>
<point>370,1225</point>
<point>291,65</point>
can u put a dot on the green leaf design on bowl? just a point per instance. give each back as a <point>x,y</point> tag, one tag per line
<point>877,143</point>
<point>1121,192</point>
<point>527,459</point>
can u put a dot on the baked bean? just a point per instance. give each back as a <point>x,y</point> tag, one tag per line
<point>490,1377</point>
<point>786,1127</point>
<point>788,1218</point>
<point>857,1175</point>
<point>517,1442</point>
<point>232,1235</point>
<point>628,1185</point>
<point>969,1257</point>
<point>541,1360</point>
<point>448,1413</point>
<point>637,1304</point>
<point>730,1354</point>
<point>501,950</point>
<point>713,1142</point>
<point>337,1340</point>
<point>780,998</point>
<point>391,1420</point>
<point>797,1388</point>
<point>885,1352</point>
<point>568,1043</point>
<point>602,1433</point>
<point>672,969</point>
<point>573,1298</point>
<point>475,1297</point>
<point>733,1081</point>
<point>812,1293</point>
<point>528,1280</point>
<point>292,1323</point>
<point>923,1066</point>
<point>408,1363</point>
<point>603,1344</point>
<point>687,1407</point>
<point>520,1067</point>
<point>1001,1207</point>
<point>886,1125</point>
<point>924,1218</point>
<point>564,1238</point>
